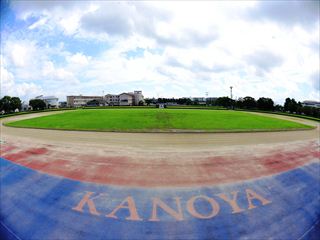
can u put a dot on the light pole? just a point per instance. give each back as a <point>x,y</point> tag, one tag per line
<point>207,98</point>
<point>231,97</point>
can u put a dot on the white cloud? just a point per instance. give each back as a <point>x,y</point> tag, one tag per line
<point>188,48</point>
<point>38,23</point>
<point>289,13</point>
<point>315,80</point>
<point>27,90</point>
<point>263,61</point>
<point>7,81</point>
<point>21,54</point>
<point>11,88</point>
<point>79,59</point>
<point>48,68</point>
<point>62,74</point>
<point>70,24</point>
<point>52,75</point>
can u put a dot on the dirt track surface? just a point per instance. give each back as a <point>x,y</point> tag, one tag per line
<point>154,141</point>
<point>165,159</point>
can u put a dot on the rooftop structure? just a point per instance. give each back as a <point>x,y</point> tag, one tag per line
<point>80,100</point>
<point>51,101</point>
<point>123,99</point>
<point>309,103</point>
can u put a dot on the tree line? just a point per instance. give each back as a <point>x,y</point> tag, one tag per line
<point>12,104</point>
<point>249,103</point>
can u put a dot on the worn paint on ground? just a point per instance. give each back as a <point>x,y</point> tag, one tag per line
<point>284,206</point>
<point>172,172</point>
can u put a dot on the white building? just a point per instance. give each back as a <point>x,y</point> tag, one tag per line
<point>311,104</point>
<point>79,101</point>
<point>51,101</point>
<point>112,99</point>
<point>25,106</point>
<point>124,99</point>
<point>199,100</point>
<point>138,97</point>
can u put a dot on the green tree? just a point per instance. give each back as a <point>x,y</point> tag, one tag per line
<point>148,101</point>
<point>15,103</point>
<point>278,108</point>
<point>37,104</point>
<point>5,104</point>
<point>286,104</point>
<point>249,102</point>
<point>239,103</point>
<point>291,105</point>
<point>316,112</point>
<point>266,104</point>
<point>188,101</point>
<point>224,102</point>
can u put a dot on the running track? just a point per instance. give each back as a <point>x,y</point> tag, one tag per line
<point>54,190</point>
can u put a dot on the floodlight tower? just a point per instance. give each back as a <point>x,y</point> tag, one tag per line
<point>232,107</point>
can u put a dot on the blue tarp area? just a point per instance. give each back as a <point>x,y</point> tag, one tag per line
<point>39,206</point>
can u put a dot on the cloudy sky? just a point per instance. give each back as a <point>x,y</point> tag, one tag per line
<point>165,49</point>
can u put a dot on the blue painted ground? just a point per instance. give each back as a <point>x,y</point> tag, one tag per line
<point>39,206</point>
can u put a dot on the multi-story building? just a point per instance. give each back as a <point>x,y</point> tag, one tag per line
<point>311,104</point>
<point>199,100</point>
<point>79,101</point>
<point>123,99</point>
<point>126,99</point>
<point>138,97</point>
<point>112,99</point>
<point>211,99</point>
<point>51,101</point>
<point>63,104</point>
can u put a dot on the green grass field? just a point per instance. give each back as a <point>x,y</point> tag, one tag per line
<point>145,120</point>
